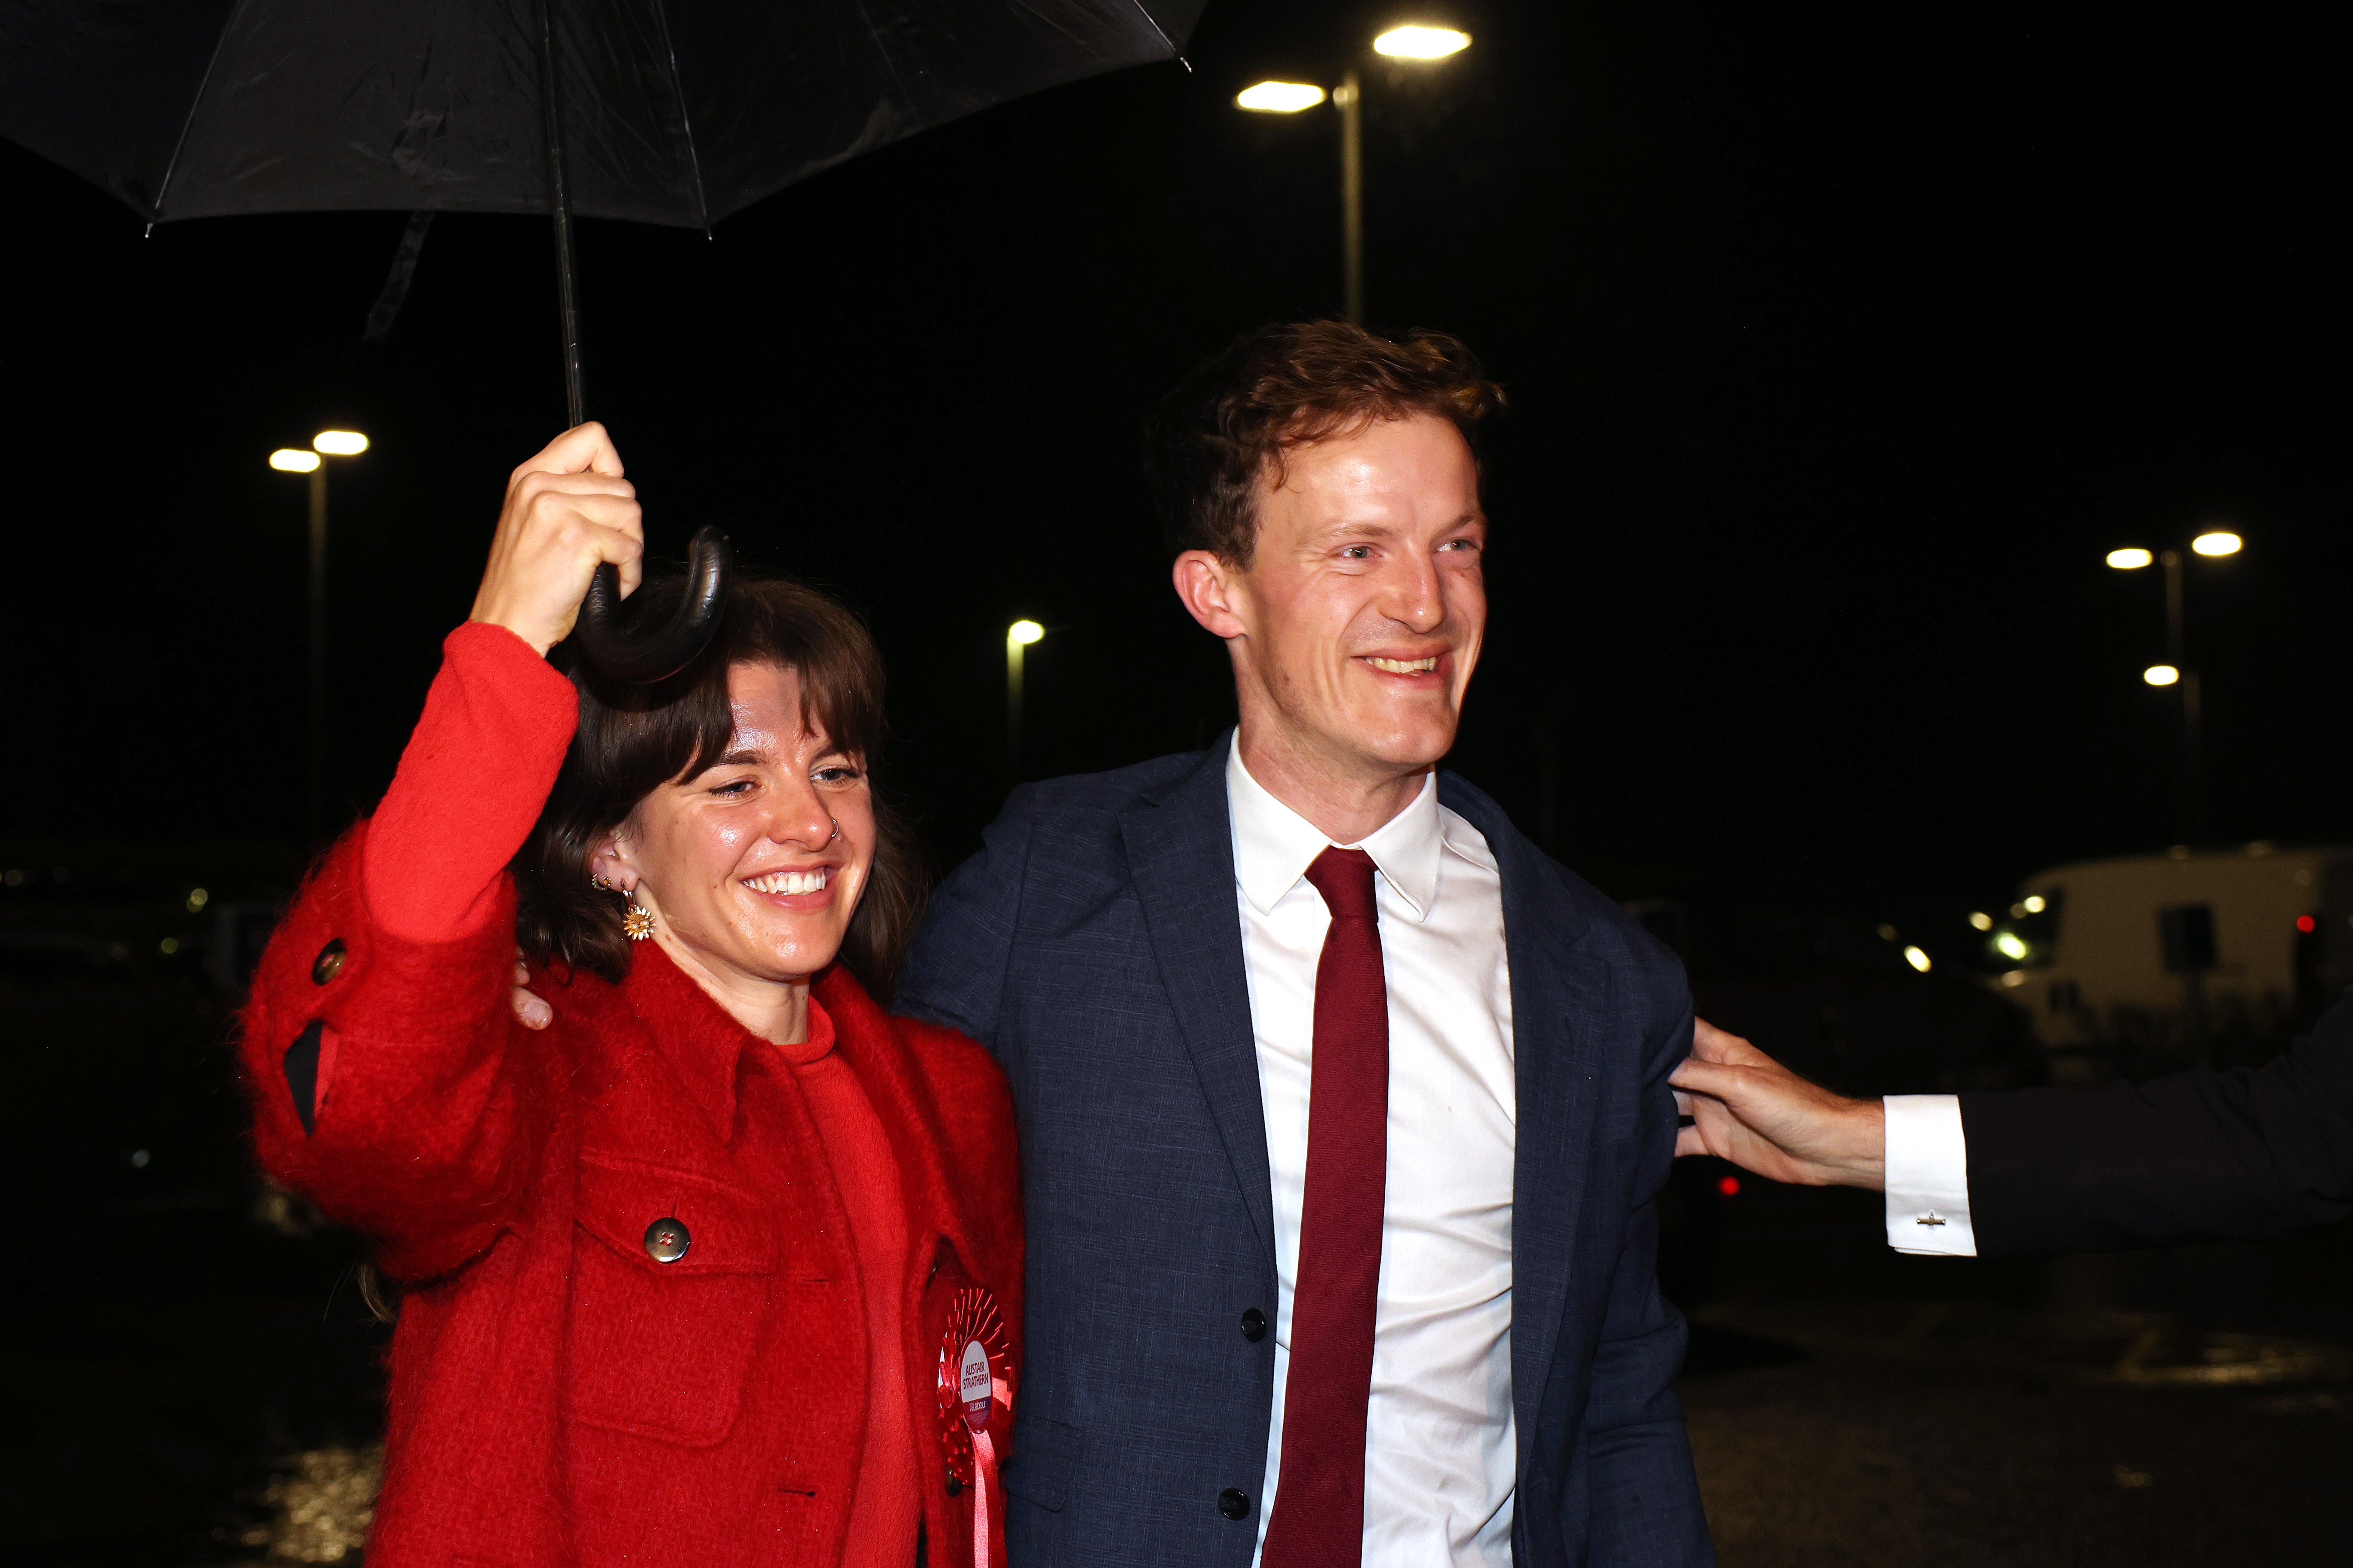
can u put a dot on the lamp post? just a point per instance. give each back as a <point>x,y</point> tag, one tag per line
<point>2214,544</point>
<point>1018,638</point>
<point>296,460</point>
<point>1408,43</point>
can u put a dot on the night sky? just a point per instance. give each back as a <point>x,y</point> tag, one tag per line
<point>1843,343</point>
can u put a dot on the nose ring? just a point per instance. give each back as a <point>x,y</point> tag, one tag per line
<point>837,830</point>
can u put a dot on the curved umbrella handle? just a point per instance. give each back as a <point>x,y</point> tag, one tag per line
<point>640,656</point>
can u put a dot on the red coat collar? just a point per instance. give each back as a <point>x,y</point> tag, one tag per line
<point>699,1039</point>
<point>881,1051</point>
<point>705,1047</point>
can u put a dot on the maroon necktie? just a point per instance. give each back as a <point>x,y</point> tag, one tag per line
<point>1319,1501</point>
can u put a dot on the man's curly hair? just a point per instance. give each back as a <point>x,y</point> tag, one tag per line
<point>1220,434</point>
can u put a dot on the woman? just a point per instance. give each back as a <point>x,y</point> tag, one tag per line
<point>721,1264</point>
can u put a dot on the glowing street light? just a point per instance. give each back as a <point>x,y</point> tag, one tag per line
<point>294,460</point>
<point>2214,544</point>
<point>1279,97</point>
<point>1018,638</point>
<point>1917,959</point>
<point>1420,43</point>
<point>1409,42</point>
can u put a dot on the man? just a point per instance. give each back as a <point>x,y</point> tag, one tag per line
<point>2197,1155</point>
<point>1342,1107</point>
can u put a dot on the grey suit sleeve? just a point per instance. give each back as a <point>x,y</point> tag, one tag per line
<point>2245,1153</point>
<point>954,973</point>
<point>1645,1506</point>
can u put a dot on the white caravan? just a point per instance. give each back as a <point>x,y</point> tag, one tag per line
<point>2154,947</point>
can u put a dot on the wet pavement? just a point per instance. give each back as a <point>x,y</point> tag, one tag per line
<point>171,1428</point>
<point>1849,1405</point>
<point>1907,1454</point>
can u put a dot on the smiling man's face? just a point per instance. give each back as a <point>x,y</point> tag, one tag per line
<point>1357,624</point>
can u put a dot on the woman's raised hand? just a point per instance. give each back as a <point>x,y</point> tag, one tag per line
<point>569,510</point>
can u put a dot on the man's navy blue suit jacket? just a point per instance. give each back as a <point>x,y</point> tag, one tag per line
<point>1095,947</point>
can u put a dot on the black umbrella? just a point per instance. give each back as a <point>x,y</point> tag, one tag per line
<point>670,111</point>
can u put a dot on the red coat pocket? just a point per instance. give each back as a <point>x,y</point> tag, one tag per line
<point>670,1293</point>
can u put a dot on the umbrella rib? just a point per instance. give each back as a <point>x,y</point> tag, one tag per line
<point>685,123</point>
<point>180,144</point>
<point>1174,52</point>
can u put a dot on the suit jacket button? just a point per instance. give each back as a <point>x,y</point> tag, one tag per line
<point>666,1241</point>
<point>1253,1325</point>
<point>329,964</point>
<point>1234,1503</point>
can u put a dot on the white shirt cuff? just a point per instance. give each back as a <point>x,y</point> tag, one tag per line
<point>1928,1177</point>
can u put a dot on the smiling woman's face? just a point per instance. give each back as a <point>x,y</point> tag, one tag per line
<point>752,868</point>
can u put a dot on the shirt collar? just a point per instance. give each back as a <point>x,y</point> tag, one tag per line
<point>1273,845</point>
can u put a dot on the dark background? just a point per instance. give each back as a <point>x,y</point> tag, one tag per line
<point>1845,342</point>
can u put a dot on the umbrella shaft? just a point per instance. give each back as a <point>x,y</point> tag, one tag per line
<point>559,205</point>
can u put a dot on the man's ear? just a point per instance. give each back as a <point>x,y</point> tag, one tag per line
<point>1212,592</point>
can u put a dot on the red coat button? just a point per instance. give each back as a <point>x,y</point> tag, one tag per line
<point>666,1241</point>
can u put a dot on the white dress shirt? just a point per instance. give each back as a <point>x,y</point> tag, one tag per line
<point>1440,1449</point>
<point>1928,1177</point>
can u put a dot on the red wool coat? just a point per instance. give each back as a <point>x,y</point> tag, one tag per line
<point>558,1396</point>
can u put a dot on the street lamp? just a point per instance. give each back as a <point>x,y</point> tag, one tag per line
<point>2214,544</point>
<point>295,460</point>
<point>1405,43</point>
<point>1279,97</point>
<point>1018,638</point>
<point>1420,43</point>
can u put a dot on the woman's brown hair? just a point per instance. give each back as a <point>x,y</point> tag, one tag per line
<point>632,739</point>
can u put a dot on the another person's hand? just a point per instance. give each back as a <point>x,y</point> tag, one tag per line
<point>530,1010</point>
<point>1750,1109</point>
<point>569,510</point>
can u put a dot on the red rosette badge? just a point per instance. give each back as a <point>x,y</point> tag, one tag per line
<point>976,1405</point>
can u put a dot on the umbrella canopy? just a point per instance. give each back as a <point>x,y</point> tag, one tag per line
<point>672,111</point>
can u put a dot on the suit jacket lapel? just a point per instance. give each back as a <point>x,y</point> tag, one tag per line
<point>1180,858</point>
<point>1180,854</point>
<point>1560,1019</point>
